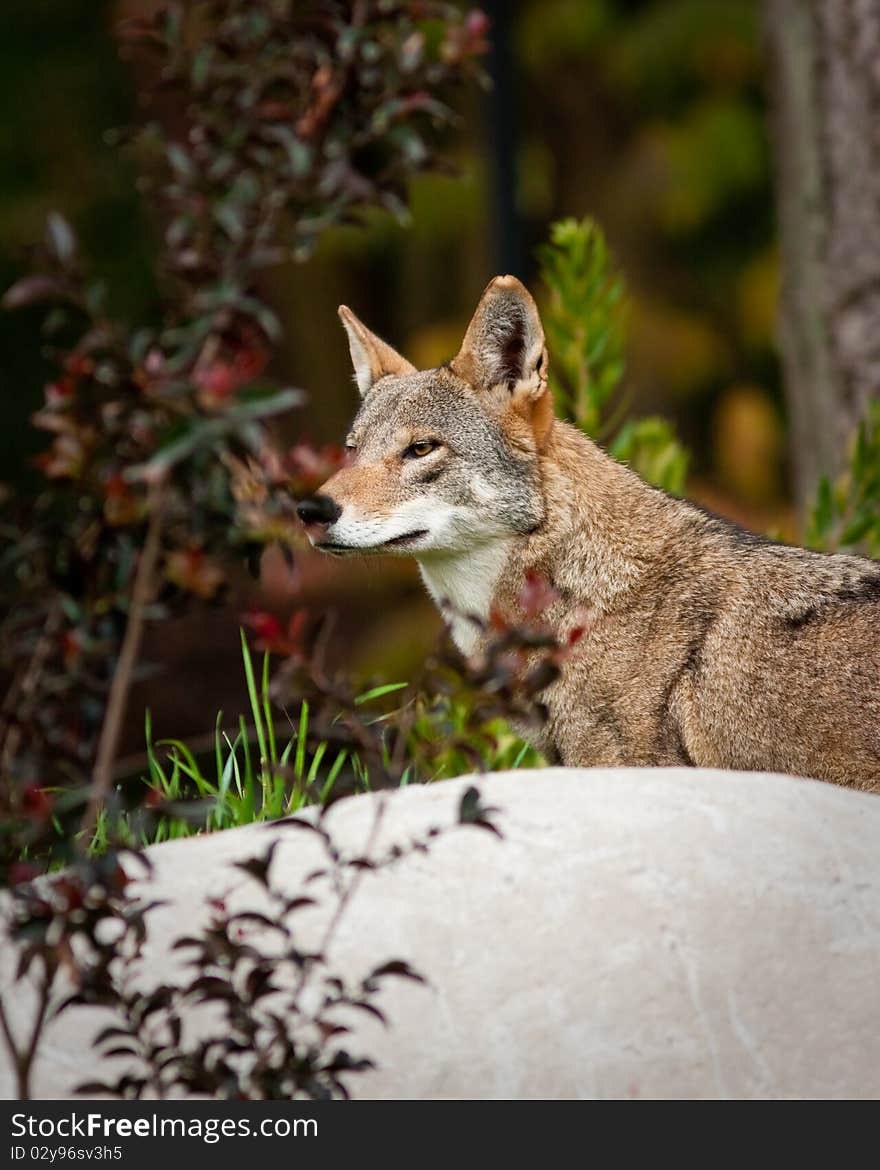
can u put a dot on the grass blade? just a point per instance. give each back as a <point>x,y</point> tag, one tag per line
<point>218,755</point>
<point>267,711</point>
<point>250,800</point>
<point>255,702</point>
<point>299,760</point>
<point>157,773</point>
<point>520,755</point>
<point>316,763</point>
<point>232,763</point>
<point>378,692</point>
<point>188,764</point>
<point>333,773</point>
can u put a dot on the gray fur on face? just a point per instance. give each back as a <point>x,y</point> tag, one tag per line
<point>477,466</point>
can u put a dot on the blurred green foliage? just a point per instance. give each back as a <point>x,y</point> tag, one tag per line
<point>650,447</point>
<point>61,86</point>
<point>846,514</point>
<point>650,115</point>
<point>665,51</point>
<point>584,321</point>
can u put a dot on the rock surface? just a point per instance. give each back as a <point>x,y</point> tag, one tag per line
<point>637,933</point>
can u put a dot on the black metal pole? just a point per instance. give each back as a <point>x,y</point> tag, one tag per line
<point>502,117</point>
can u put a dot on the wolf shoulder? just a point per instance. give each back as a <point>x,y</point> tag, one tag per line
<point>797,589</point>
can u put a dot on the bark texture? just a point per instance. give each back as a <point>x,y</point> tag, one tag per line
<point>825,70</point>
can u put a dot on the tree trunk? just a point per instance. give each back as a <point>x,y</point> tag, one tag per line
<point>825,71</point>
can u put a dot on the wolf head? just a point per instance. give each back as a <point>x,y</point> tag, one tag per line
<point>444,461</point>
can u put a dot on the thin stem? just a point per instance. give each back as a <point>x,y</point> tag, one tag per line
<point>128,658</point>
<point>36,1034</point>
<point>349,891</point>
<point>11,1045</point>
<point>23,1058</point>
<point>344,898</point>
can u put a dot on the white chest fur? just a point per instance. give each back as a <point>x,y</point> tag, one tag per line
<point>463,585</point>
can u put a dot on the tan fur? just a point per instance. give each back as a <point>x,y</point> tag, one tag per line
<point>701,648</point>
<point>703,644</point>
<point>371,357</point>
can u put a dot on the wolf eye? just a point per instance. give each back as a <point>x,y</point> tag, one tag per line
<point>420,447</point>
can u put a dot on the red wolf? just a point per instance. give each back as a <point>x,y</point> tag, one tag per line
<point>705,645</point>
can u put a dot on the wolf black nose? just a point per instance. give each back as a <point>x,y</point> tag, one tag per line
<point>318,510</point>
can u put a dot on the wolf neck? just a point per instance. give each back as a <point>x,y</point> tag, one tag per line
<point>603,529</point>
<point>603,526</point>
<point>464,586</point>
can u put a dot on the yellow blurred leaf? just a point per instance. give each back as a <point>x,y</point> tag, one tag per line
<point>749,443</point>
<point>757,299</point>
<point>434,344</point>
<point>680,350</point>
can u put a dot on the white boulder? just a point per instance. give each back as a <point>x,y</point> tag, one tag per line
<point>637,933</point>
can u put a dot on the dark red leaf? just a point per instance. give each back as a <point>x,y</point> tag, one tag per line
<point>32,290</point>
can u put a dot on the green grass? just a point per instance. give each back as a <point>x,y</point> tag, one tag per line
<point>265,769</point>
<point>259,772</point>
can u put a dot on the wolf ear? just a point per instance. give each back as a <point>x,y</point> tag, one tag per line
<point>371,356</point>
<point>504,347</point>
